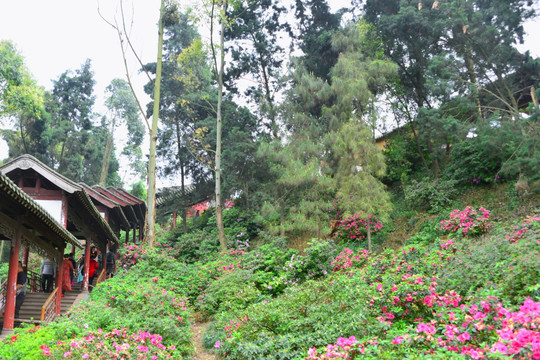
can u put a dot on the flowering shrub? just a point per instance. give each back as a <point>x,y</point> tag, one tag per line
<point>345,348</point>
<point>116,344</point>
<point>467,222</point>
<point>231,291</point>
<point>126,302</point>
<point>355,227</point>
<point>529,224</point>
<point>477,331</point>
<point>130,254</point>
<point>434,195</point>
<point>406,304</point>
<point>346,259</point>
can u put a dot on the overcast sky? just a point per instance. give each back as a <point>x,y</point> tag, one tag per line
<point>56,35</point>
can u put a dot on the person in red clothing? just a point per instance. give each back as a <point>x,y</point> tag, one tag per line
<point>92,269</point>
<point>67,268</point>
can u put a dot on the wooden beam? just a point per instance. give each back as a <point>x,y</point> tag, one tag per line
<point>9,312</point>
<point>49,247</point>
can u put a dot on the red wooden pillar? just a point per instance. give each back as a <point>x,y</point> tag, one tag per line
<point>127,236</point>
<point>86,264</point>
<point>174,220</point>
<point>9,312</point>
<point>26,253</point>
<point>60,281</point>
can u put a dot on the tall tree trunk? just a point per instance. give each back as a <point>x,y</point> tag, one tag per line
<point>151,200</point>
<point>184,200</point>
<point>61,160</point>
<point>369,234</point>
<point>106,160</point>
<point>182,179</point>
<point>472,76</point>
<point>434,160</point>
<point>282,218</point>
<point>219,200</point>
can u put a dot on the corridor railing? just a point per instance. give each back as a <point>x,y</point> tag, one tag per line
<point>101,277</point>
<point>48,310</point>
<point>3,295</point>
<point>34,280</point>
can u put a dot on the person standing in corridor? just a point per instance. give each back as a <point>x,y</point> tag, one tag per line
<point>67,269</point>
<point>21,289</point>
<point>48,272</point>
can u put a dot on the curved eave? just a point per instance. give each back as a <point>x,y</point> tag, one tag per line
<point>26,162</point>
<point>26,201</point>
<point>109,203</point>
<point>93,211</point>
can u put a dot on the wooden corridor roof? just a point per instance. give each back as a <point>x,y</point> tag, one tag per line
<point>117,219</point>
<point>39,231</point>
<point>127,206</point>
<point>139,205</point>
<point>84,220</point>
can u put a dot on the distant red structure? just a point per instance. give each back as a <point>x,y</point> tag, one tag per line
<point>198,209</point>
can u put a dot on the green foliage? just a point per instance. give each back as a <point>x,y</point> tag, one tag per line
<point>123,110</point>
<point>27,341</point>
<point>137,305</point>
<point>512,269</point>
<point>236,217</point>
<point>202,243</point>
<point>433,195</point>
<point>386,295</point>
<point>479,159</point>
<point>526,159</point>
<point>138,190</point>
<point>313,313</point>
<point>231,292</point>
<point>197,245</point>
<point>266,262</point>
<point>4,269</point>
<point>318,257</point>
<point>400,157</point>
<point>19,92</point>
<point>317,25</point>
<point>427,234</point>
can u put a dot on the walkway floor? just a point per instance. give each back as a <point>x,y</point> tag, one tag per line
<point>197,329</point>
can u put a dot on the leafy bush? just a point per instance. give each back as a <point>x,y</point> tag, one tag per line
<point>531,224</point>
<point>355,228</point>
<point>478,160</point>
<point>127,302</point>
<point>427,234</point>
<point>116,344</point>
<point>467,222</point>
<point>235,217</point>
<point>129,256</point>
<point>267,262</point>
<point>401,303</point>
<point>4,269</point>
<point>26,341</point>
<point>319,254</point>
<point>433,195</point>
<point>467,330</point>
<point>281,328</point>
<point>512,268</point>
<point>231,292</point>
<point>196,246</point>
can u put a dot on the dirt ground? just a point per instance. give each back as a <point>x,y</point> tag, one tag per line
<point>200,353</point>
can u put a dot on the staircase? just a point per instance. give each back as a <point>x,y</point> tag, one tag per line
<point>30,311</point>
<point>31,308</point>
